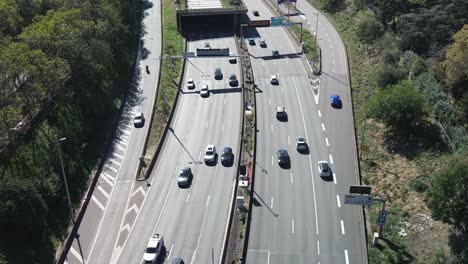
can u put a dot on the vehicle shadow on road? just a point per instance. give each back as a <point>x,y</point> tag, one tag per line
<point>256,204</point>
<point>226,90</point>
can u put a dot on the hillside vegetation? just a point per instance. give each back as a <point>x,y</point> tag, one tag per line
<point>64,67</point>
<point>408,61</point>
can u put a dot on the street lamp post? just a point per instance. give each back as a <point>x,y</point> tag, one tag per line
<point>65,178</point>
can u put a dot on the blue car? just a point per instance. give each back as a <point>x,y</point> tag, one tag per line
<point>335,101</point>
<point>251,41</point>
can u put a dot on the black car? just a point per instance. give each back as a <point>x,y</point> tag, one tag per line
<point>218,75</point>
<point>255,13</point>
<point>227,157</point>
<point>283,157</point>
<point>301,145</point>
<point>233,80</point>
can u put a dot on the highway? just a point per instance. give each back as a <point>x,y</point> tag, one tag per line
<point>192,220</point>
<point>299,217</point>
<point>100,225</point>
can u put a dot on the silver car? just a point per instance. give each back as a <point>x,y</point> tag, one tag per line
<point>324,169</point>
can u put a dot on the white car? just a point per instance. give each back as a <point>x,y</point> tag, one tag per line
<point>204,92</point>
<point>153,249</point>
<point>262,43</point>
<point>210,153</point>
<point>274,79</point>
<point>190,84</point>
<point>324,169</point>
<point>139,120</point>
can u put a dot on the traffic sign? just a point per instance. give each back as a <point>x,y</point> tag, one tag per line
<point>259,23</point>
<point>276,21</point>
<point>188,54</point>
<point>359,189</point>
<point>358,199</point>
<point>381,218</point>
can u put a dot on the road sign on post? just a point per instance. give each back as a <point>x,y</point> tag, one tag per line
<point>358,199</point>
<point>359,189</point>
<point>259,23</point>
<point>276,21</point>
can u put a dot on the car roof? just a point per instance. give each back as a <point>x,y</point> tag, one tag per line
<point>301,139</point>
<point>273,76</point>
<point>210,147</point>
<point>138,114</point>
<point>153,240</point>
<point>227,149</point>
<point>280,109</point>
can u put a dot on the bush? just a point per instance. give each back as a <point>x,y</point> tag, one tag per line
<point>400,107</point>
<point>386,75</point>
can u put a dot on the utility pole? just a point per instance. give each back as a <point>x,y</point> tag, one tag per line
<point>316,34</point>
<point>65,178</point>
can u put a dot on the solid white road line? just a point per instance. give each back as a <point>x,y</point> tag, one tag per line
<point>188,196</point>
<point>97,202</point>
<point>222,127</point>
<point>133,208</point>
<point>319,113</point>
<point>318,247</point>
<point>103,191</point>
<point>310,159</point>
<point>76,254</point>
<point>338,201</point>
<point>271,204</point>
<point>342,227</point>
<point>208,201</point>
<point>271,126</point>
<point>272,160</point>
<point>269,100</point>
<point>323,127</point>
<point>346,256</point>
<point>334,178</point>
<point>331,158</point>
<point>326,141</point>
<point>291,179</point>
<point>289,140</point>
<point>292,226</point>
<point>170,251</point>
<point>199,155</point>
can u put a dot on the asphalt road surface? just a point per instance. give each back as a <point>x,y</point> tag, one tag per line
<point>100,225</point>
<point>192,220</point>
<point>300,217</point>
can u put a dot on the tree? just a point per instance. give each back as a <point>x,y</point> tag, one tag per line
<point>10,20</point>
<point>400,107</point>
<point>390,9</point>
<point>448,199</point>
<point>456,63</point>
<point>23,212</point>
<point>385,75</point>
<point>369,30</point>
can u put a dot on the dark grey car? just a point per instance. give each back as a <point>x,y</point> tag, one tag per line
<point>218,75</point>
<point>233,80</point>
<point>227,158</point>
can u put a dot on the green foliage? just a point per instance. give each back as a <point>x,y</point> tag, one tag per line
<point>399,107</point>
<point>369,30</point>
<point>456,63</point>
<point>23,212</point>
<point>333,5</point>
<point>432,24</point>
<point>308,40</point>
<point>385,75</point>
<point>388,10</point>
<point>447,193</point>
<point>10,20</point>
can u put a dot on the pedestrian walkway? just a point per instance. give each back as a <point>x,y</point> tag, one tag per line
<point>204,4</point>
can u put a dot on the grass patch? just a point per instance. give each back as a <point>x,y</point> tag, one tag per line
<point>308,39</point>
<point>170,73</point>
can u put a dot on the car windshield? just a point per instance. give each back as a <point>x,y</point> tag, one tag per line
<point>209,152</point>
<point>151,250</point>
<point>324,166</point>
